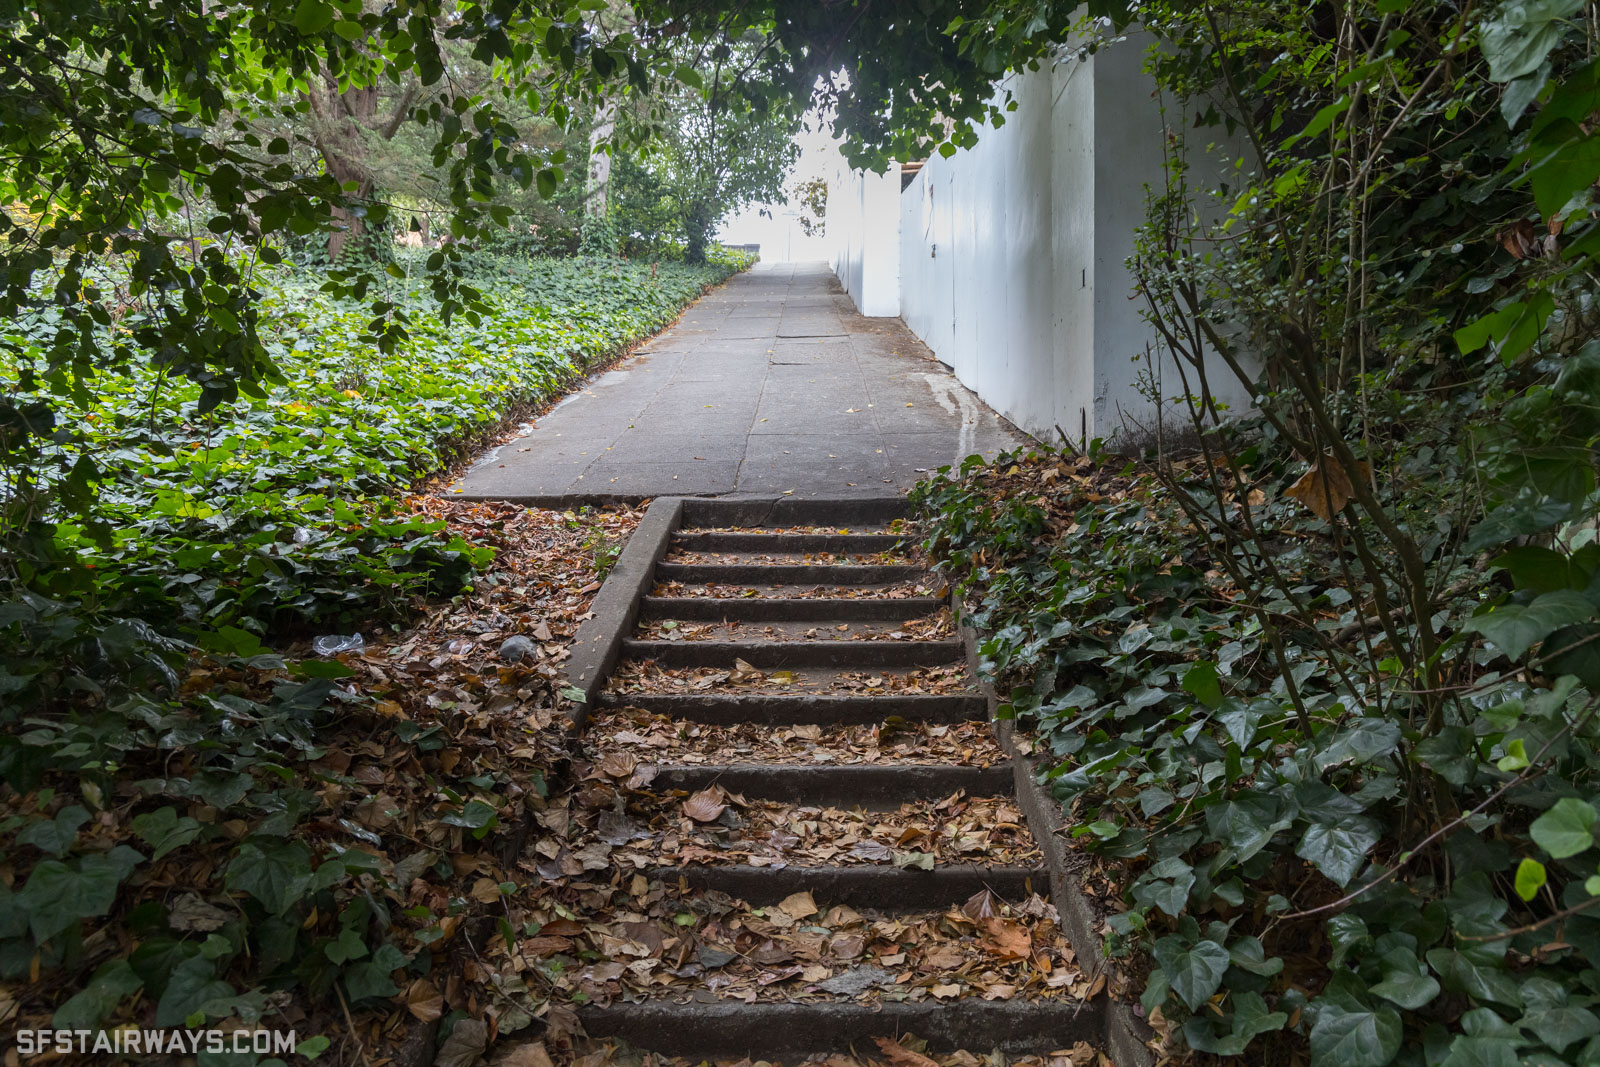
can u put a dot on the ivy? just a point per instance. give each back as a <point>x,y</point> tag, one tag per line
<point>142,699</point>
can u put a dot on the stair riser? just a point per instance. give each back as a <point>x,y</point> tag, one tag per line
<point>882,787</point>
<point>776,543</point>
<point>768,1031</point>
<point>812,609</point>
<point>881,888</point>
<point>801,710</point>
<point>864,655</point>
<point>758,574</point>
<point>789,511</point>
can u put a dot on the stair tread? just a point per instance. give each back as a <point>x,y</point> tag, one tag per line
<point>735,605</point>
<point>1027,1029</point>
<point>646,736</point>
<point>934,626</point>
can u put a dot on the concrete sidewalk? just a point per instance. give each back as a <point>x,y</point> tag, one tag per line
<point>771,385</point>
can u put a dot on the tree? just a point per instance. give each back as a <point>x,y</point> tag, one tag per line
<point>813,196</point>
<point>125,126</point>
<point>714,158</point>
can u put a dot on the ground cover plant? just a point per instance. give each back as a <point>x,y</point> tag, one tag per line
<point>1317,680</point>
<point>1281,891</point>
<point>207,814</point>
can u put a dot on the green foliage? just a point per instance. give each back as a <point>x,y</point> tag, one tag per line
<point>714,155</point>
<point>1356,711</point>
<point>244,515</point>
<point>1242,829</point>
<point>136,688</point>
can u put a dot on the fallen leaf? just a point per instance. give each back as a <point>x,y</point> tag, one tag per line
<point>527,1055</point>
<point>981,905</point>
<point>798,905</point>
<point>1007,937</point>
<point>706,805</point>
<point>901,1056</point>
<point>467,1040</point>
<point>745,674</point>
<point>424,1001</point>
<point>921,860</point>
<point>1325,488</point>
<point>192,913</point>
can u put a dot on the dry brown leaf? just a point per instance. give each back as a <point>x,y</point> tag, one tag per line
<point>1520,239</point>
<point>901,1056</point>
<point>618,764</point>
<point>1007,937</point>
<point>424,1001</point>
<point>798,905</point>
<point>528,1055</point>
<point>981,905</point>
<point>745,674</point>
<point>1325,488</point>
<point>706,805</point>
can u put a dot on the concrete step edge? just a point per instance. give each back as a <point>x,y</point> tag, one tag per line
<point>788,574</point>
<point>881,887</point>
<point>770,1030</point>
<point>788,609</point>
<point>884,786</point>
<point>869,655</point>
<point>807,709</point>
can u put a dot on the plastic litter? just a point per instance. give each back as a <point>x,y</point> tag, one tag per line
<point>333,644</point>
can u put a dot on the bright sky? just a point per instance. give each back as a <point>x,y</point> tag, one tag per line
<point>773,226</point>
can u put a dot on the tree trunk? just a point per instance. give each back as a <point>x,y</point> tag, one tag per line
<point>597,197</point>
<point>342,120</point>
<point>696,231</point>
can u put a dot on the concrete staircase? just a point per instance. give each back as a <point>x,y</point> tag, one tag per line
<point>811,677</point>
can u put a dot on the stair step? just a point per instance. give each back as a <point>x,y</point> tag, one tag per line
<point>801,709</point>
<point>764,655</point>
<point>800,609</point>
<point>752,541</point>
<point>782,574</point>
<point>767,1030</point>
<point>864,785</point>
<point>880,888</point>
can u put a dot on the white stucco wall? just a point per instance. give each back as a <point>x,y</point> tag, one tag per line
<point>864,227</point>
<point>1010,257</point>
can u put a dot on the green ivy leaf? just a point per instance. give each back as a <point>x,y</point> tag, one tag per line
<point>86,1009</point>
<point>1475,975</point>
<point>1355,1038</point>
<point>1530,878</point>
<point>1194,973</point>
<point>164,831</point>
<point>1166,886</point>
<point>1562,1026</point>
<point>55,836</point>
<point>1468,1051</point>
<point>374,979</point>
<point>1202,681</point>
<point>1566,829</point>
<point>1515,628</point>
<point>476,816</point>
<point>1521,34</point>
<point>1359,742</point>
<point>1408,989</point>
<point>193,984</point>
<point>1339,851</point>
<point>349,946</point>
<point>57,895</point>
<point>272,871</point>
